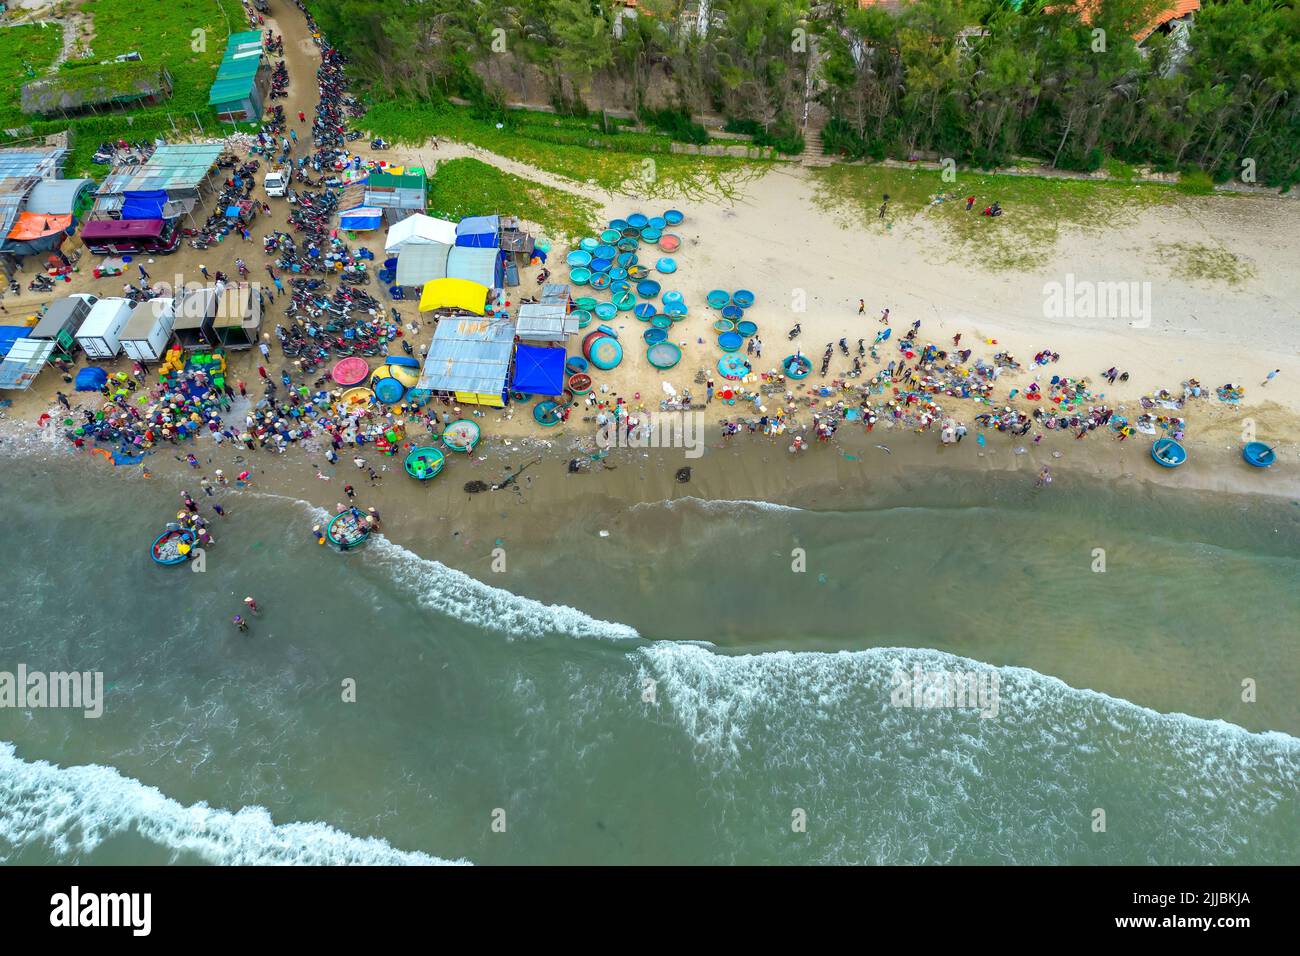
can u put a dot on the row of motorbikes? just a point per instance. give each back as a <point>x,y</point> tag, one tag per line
<point>279,81</point>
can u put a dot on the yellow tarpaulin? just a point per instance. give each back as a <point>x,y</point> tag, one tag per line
<point>454,294</point>
<point>479,398</point>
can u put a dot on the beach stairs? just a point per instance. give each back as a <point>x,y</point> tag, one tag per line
<point>814,154</point>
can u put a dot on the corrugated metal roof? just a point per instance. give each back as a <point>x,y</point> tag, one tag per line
<point>546,323</point>
<point>469,355</point>
<point>172,166</point>
<point>41,163</point>
<point>56,197</point>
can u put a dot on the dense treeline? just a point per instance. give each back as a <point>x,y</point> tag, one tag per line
<point>975,80</point>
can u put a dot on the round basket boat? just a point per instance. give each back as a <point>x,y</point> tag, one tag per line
<point>588,244</point>
<point>345,531</point>
<point>424,462</point>
<point>389,391</point>
<point>1258,455</point>
<point>618,286</point>
<point>730,341</point>
<point>647,288</point>
<point>637,272</point>
<point>626,259</point>
<point>639,220</point>
<point>645,311</point>
<point>632,232</point>
<point>617,275</point>
<point>546,413</point>
<point>662,322</point>
<point>590,339</point>
<point>580,276</point>
<point>606,311</point>
<point>600,280</point>
<point>657,222</point>
<point>580,383</point>
<point>606,353</point>
<point>584,318</point>
<point>663,355</point>
<point>676,311</point>
<point>627,247</point>
<point>355,399</point>
<point>350,371</point>
<point>172,547</point>
<point>654,336</point>
<point>587,302</point>
<point>733,312</point>
<point>575,364</point>
<point>624,301</point>
<point>605,252</point>
<point>667,265</point>
<point>797,366</point>
<point>743,298</point>
<point>733,367</point>
<point>669,242</point>
<point>461,436</point>
<point>674,216</point>
<point>1167,453</point>
<point>619,224</point>
<point>747,328</point>
<point>601,265</point>
<point>578,257</point>
<point>610,236</point>
<point>718,298</point>
<point>651,234</point>
<point>724,325</point>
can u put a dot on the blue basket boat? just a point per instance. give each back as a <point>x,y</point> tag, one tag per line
<point>166,549</point>
<point>1167,453</point>
<point>1258,455</point>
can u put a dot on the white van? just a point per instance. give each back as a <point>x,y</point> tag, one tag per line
<point>276,182</point>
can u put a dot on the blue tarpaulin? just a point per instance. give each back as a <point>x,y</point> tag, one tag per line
<point>144,204</point>
<point>539,371</point>
<point>9,334</point>
<point>479,232</point>
<point>361,219</point>
<point>91,379</point>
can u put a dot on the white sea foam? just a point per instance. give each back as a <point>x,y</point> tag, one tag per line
<point>896,785</point>
<point>75,809</point>
<point>716,504</point>
<point>457,594</point>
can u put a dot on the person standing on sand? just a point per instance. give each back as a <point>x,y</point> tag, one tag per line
<point>1271,375</point>
<point>862,306</point>
<point>204,270</point>
<point>63,400</point>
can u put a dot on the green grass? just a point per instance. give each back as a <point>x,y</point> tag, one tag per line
<point>1036,209</point>
<point>26,52</point>
<point>163,34</point>
<point>1200,261</point>
<point>624,163</point>
<point>467,187</point>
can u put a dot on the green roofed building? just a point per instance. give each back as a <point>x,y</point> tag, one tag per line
<point>240,90</point>
<point>406,190</point>
<point>89,88</point>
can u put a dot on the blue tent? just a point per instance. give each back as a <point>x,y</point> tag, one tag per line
<point>479,232</point>
<point>361,219</point>
<point>144,204</point>
<point>539,371</point>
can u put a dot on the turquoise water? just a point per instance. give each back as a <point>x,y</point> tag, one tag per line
<point>770,688</point>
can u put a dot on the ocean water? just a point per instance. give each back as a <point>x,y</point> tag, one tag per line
<point>674,691</point>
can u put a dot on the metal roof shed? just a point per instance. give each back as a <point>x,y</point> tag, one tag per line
<point>470,357</point>
<point>24,362</point>
<point>545,323</point>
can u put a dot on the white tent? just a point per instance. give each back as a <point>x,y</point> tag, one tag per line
<point>420,228</point>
